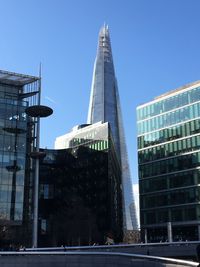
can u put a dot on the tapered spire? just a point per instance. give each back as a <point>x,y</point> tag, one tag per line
<point>104,46</point>
<point>105,106</point>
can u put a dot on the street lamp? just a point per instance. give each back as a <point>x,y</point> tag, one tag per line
<point>37,111</point>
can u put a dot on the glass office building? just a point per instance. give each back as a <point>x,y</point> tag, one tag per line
<point>16,132</point>
<point>80,189</point>
<point>105,106</point>
<point>169,164</point>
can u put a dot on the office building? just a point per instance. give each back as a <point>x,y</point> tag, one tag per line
<point>169,165</point>
<point>80,199</point>
<point>17,93</point>
<point>105,106</point>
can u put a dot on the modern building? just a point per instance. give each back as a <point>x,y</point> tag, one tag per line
<point>169,165</point>
<point>105,106</point>
<point>80,189</point>
<point>17,93</point>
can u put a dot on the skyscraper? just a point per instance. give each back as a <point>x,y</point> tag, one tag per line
<point>105,106</point>
<point>169,164</point>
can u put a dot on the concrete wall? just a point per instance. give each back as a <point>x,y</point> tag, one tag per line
<point>65,259</point>
<point>181,250</point>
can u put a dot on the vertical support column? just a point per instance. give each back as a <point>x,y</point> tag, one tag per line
<point>36,186</point>
<point>145,236</point>
<point>169,232</point>
<point>36,183</point>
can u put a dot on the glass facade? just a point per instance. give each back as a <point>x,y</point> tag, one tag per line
<point>12,153</point>
<point>80,191</point>
<point>105,106</point>
<point>92,135</point>
<point>170,103</point>
<point>169,164</point>
<point>15,212</point>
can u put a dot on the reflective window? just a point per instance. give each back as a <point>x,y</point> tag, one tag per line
<point>13,126</point>
<point>170,165</point>
<point>168,104</point>
<point>170,149</point>
<point>170,198</point>
<point>182,114</point>
<point>175,132</point>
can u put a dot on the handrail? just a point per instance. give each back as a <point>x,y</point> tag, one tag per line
<point>115,246</point>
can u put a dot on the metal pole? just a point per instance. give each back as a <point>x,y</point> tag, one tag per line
<point>36,184</point>
<point>169,231</point>
<point>145,236</point>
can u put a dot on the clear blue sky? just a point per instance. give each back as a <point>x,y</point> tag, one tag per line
<point>155,43</point>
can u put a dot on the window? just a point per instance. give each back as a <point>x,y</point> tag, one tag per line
<point>46,191</point>
<point>43,226</point>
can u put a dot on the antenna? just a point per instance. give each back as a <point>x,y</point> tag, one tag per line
<point>40,76</point>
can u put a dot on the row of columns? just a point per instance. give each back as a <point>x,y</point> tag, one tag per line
<point>169,233</point>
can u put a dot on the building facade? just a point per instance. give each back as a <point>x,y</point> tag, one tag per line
<point>105,106</point>
<point>169,165</point>
<point>16,141</point>
<point>80,189</point>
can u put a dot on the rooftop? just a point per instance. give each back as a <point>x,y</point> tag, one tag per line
<point>171,93</point>
<point>12,78</point>
<point>178,89</point>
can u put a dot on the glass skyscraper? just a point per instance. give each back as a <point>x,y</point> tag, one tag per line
<point>105,106</point>
<point>169,164</point>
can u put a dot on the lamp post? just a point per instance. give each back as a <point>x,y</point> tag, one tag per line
<point>37,111</point>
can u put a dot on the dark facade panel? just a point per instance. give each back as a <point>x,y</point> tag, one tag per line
<point>80,197</point>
